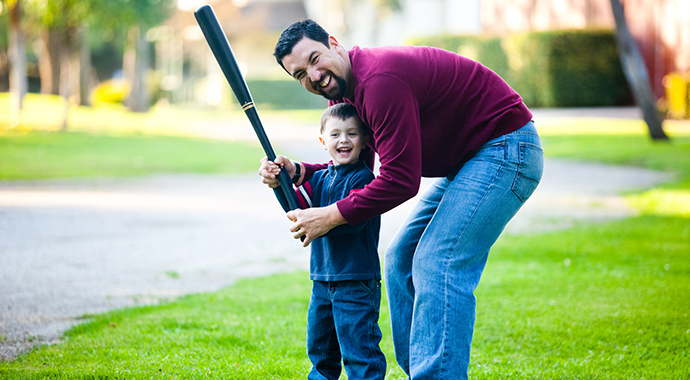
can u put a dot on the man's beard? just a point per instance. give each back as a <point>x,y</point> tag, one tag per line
<point>341,89</point>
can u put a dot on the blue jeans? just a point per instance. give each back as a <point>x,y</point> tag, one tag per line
<point>436,260</point>
<point>342,323</point>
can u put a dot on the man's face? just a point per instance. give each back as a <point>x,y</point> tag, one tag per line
<point>320,70</point>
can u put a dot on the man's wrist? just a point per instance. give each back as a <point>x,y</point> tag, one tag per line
<point>298,173</point>
<point>335,218</point>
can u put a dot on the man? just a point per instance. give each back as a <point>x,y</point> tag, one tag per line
<point>432,113</point>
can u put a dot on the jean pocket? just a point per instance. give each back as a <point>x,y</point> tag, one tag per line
<point>370,286</point>
<point>529,170</point>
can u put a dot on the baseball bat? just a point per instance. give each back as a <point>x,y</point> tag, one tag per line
<point>221,49</point>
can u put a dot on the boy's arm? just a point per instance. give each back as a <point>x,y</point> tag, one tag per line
<point>310,169</point>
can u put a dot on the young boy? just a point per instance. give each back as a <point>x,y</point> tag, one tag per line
<point>342,321</point>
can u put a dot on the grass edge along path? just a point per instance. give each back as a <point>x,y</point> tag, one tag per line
<point>43,155</point>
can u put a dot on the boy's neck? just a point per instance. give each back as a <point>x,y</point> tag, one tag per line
<point>349,163</point>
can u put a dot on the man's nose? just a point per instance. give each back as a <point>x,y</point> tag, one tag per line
<point>314,74</point>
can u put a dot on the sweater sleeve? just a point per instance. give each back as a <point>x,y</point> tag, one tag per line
<point>391,110</point>
<point>357,184</point>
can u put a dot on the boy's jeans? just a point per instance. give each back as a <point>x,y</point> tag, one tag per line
<point>343,318</point>
<point>435,261</point>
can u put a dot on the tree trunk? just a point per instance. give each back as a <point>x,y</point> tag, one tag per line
<point>636,73</point>
<point>47,48</point>
<point>135,67</point>
<point>69,73</point>
<point>87,74</point>
<point>17,55</point>
<point>4,69</point>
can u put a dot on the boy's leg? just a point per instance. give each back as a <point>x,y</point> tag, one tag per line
<point>322,342</point>
<point>356,306</point>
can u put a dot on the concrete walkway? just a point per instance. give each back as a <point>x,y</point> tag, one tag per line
<point>70,247</point>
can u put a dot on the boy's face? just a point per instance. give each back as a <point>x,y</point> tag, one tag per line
<point>343,140</point>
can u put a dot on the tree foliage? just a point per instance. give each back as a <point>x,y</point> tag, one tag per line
<point>102,14</point>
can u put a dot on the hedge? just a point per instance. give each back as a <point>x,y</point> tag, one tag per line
<point>283,94</point>
<point>565,68</point>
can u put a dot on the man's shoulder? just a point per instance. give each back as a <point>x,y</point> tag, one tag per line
<point>383,57</point>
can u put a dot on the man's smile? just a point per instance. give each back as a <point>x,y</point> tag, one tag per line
<point>324,82</point>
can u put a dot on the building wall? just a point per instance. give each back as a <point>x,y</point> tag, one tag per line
<point>368,23</point>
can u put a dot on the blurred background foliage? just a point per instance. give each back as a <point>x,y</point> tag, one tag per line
<point>564,68</point>
<point>148,53</point>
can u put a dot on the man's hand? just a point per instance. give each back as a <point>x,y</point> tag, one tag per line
<point>314,222</point>
<point>269,170</point>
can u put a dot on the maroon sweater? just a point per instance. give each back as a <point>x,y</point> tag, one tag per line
<point>429,111</point>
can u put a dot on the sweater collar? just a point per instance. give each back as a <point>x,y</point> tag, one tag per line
<point>345,168</point>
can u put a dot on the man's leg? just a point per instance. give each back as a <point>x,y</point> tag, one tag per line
<point>398,272</point>
<point>452,252</point>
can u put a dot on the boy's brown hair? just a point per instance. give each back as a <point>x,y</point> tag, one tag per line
<point>342,111</point>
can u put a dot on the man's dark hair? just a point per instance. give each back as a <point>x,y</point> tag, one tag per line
<point>342,111</point>
<point>294,33</point>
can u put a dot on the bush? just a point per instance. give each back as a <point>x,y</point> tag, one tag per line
<point>283,94</point>
<point>487,50</point>
<point>110,92</point>
<point>565,68</point>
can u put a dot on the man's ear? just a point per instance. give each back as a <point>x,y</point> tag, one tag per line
<point>333,42</point>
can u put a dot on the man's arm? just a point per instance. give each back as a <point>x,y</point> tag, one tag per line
<point>360,179</point>
<point>314,222</point>
<point>391,110</point>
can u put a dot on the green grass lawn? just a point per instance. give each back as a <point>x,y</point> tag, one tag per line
<point>597,301</point>
<point>40,154</point>
<point>108,141</point>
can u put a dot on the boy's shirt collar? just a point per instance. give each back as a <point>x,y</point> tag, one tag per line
<point>345,168</point>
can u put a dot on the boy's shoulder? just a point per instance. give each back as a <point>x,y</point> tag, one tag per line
<point>362,170</point>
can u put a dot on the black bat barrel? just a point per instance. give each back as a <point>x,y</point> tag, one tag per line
<point>218,42</point>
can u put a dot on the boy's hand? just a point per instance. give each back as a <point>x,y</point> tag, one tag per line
<point>269,170</point>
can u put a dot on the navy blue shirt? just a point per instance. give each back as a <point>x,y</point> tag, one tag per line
<point>346,252</point>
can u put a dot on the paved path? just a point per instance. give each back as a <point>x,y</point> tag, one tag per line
<point>69,247</point>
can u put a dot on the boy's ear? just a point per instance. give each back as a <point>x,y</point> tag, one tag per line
<point>365,140</point>
<point>323,142</point>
